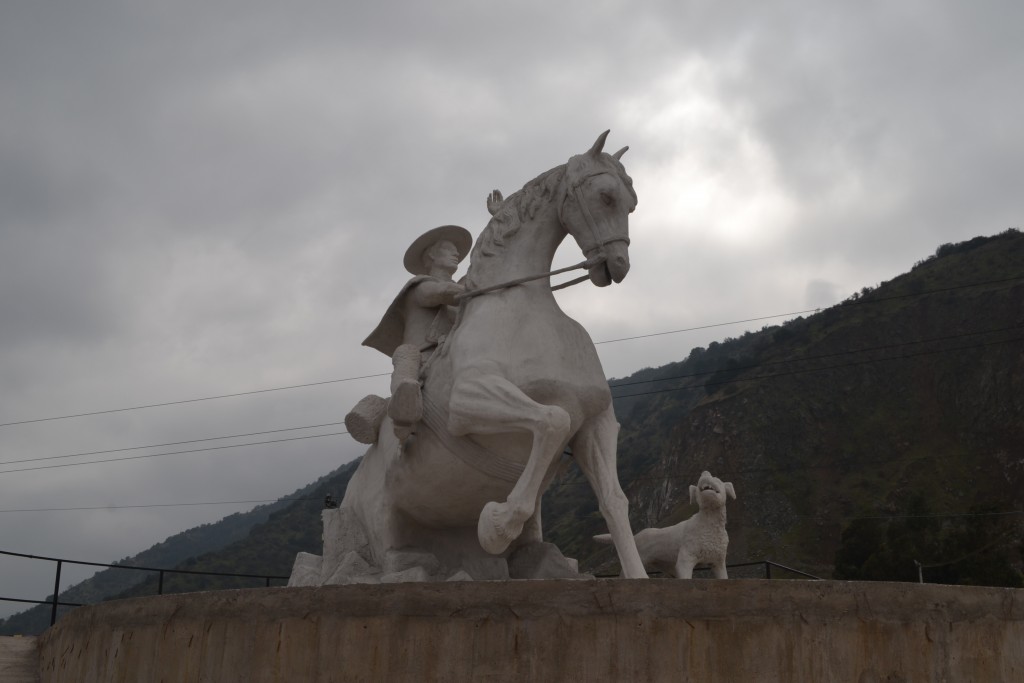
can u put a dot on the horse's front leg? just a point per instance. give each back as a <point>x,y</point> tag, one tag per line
<point>594,448</point>
<point>487,403</point>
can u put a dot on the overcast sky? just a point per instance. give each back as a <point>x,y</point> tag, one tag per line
<point>204,198</point>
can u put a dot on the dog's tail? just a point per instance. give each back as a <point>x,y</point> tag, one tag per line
<point>604,538</point>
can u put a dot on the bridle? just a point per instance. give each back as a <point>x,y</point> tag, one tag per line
<point>597,244</point>
<point>598,241</point>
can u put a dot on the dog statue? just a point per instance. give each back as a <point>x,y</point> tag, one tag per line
<point>701,539</point>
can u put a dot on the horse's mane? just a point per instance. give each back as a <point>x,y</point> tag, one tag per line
<point>523,205</point>
<point>518,208</point>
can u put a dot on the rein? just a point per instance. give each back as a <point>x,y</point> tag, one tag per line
<point>598,244</point>
<point>588,264</point>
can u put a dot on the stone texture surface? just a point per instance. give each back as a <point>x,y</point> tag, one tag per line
<point>306,570</point>
<point>541,561</point>
<point>604,630</point>
<point>507,383</point>
<point>19,660</point>
<point>701,539</point>
<point>343,535</point>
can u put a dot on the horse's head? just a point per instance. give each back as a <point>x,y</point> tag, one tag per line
<point>595,210</point>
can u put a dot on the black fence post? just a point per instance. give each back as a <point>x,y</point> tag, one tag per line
<point>160,584</point>
<point>268,582</point>
<point>767,570</point>
<point>56,590</point>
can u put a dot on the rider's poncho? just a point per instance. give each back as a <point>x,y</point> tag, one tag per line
<point>390,331</point>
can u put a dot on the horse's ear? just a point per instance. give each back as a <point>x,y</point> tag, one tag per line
<point>618,155</point>
<point>599,145</point>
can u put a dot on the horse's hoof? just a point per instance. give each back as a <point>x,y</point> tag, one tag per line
<point>494,535</point>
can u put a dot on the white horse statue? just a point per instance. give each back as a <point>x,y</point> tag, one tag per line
<point>515,383</point>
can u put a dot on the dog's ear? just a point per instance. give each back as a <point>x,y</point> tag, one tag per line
<point>730,490</point>
<point>693,494</point>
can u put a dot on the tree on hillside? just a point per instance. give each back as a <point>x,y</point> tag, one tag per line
<point>972,549</point>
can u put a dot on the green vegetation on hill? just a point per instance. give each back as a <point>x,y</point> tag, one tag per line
<point>883,431</point>
<point>176,551</point>
<point>909,389</point>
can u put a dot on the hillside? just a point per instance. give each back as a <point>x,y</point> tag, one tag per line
<point>883,430</point>
<point>173,551</point>
<point>904,393</point>
<point>906,399</point>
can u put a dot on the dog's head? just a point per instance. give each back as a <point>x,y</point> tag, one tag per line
<point>710,492</point>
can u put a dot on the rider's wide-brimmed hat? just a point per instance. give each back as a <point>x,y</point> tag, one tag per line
<point>455,234</point>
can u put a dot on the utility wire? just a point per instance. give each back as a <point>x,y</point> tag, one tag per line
<point>866,300</point>
<point>690,475</point>
<point>161,505</point>
<point>944,515</point>
<point>170,443</point>
<point>704,327</point>
<point>646,393</point>
<point>856,302</point>
<point>157,455</point>
<point>935,516</point>
<point>192,400</point>
<point>997,540</point>
<point>613,386</point>
<point>815,357</point>
<point>827,367</point>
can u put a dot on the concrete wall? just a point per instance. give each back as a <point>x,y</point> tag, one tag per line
<point>614,630</point>
<point>19,660</point>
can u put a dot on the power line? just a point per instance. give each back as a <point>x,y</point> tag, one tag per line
<point>191,400</point>
<point>645,393</point>
<point>814,357</point>
<point>170,443</point>
<point>608,341</point>
<point>878,299</point>
<point>704,327</point>
<point>997,540</point>
<point>935,516</point>
<point>157,455</point>
<point>857,302</point>
<point>827,367</point>
<point>161,505</point>
<point>613,386</point>
<point>691,474</point>
<point>829,518</point>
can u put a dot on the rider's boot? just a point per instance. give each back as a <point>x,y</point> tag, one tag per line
<point>406,407</point>
<point>363,421</point>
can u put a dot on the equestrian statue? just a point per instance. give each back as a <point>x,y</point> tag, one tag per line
<point>492,383</point>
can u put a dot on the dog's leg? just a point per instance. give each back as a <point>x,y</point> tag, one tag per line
<point>684,565</point>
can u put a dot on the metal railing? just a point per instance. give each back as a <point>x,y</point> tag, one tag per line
<point>767,564</point>
<point>55,602</point>
<point>160,582</point>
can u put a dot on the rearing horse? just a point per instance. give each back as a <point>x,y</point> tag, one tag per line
<point>516,381</point>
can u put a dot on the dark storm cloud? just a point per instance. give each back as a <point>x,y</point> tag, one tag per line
<point>200,198</point>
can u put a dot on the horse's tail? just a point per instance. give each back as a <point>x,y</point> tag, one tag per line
<point>604,538</point>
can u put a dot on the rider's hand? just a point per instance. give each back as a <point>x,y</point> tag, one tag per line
<point>494,200</point>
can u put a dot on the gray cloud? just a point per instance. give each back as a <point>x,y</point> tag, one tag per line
<point>205,198</point>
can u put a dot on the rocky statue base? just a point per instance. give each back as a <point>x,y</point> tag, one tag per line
<point>601,630</point>
<point>348,558</point>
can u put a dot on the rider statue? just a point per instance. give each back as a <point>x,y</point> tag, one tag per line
<point>419,318</point>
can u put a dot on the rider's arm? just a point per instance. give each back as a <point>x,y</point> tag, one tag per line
<point>434,293</point>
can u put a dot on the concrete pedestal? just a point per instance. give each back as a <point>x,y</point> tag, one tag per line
<point>610,630</point>
<point>19,660</point>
